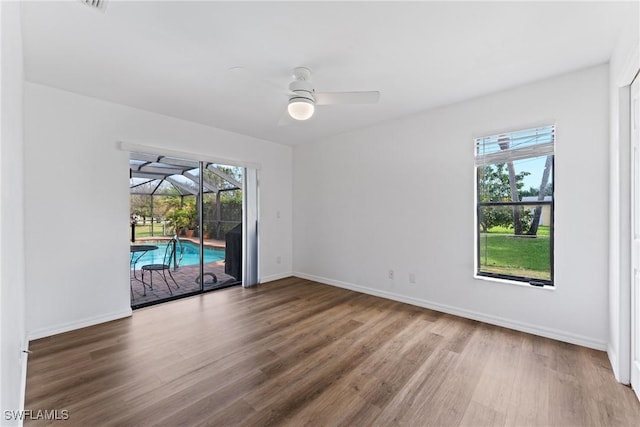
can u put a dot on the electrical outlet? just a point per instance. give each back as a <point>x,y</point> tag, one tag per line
<point>391,274</point>
<point>278,260</point>
<point>412,278</point>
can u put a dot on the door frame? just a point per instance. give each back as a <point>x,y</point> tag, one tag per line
<point>250,202</point>
<point>634,140</point>
<point>620,269</point>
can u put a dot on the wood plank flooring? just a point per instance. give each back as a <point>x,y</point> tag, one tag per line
<point>298,353</point>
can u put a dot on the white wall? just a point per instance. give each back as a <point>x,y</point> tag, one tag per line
<point>77,201</point>
<point>12,310</point>
<point>401,196</point>
<point>624,64</point>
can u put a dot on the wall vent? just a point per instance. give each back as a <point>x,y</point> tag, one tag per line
<point>95,4</point>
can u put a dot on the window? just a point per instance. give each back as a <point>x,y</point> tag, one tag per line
<point>514,203</point>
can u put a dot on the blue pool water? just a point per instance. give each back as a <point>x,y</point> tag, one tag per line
<point>190,254</point>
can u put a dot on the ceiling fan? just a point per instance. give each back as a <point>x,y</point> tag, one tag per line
<point>303,97</point>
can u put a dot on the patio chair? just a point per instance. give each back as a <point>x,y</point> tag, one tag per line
<point>164,267</point>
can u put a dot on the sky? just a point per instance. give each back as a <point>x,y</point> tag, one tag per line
<point>535,166</point>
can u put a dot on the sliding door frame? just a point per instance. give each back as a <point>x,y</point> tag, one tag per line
<point>250,209</point>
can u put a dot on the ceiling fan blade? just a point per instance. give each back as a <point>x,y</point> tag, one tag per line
<point>285,119</point>
<point>327,98</point>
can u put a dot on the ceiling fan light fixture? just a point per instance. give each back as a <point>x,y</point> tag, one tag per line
<point>301,108</point>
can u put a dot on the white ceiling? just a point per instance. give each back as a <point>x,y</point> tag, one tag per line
<point>179,58</point>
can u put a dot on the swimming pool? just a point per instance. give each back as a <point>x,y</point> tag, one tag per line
<point>190,254</point>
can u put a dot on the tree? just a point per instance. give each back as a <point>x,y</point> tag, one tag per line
<point>494,185</point>
<point>491,188</point>
<point>504,142</point>
<point>542,192</point>
<point>532,191</point>
<point>140,205</point>
<point>223,209</point>
<point>182,214</point>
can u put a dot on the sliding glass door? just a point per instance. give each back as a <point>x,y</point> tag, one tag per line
<point>187,228</point>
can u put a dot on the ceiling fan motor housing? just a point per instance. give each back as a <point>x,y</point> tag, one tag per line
<point>302,89</point>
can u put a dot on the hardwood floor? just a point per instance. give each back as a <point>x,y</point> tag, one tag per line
<point>295,352</point>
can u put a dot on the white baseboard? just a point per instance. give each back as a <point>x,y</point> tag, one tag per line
<point>469,314</point>
<point>272,277</point>
<point>70,326</point>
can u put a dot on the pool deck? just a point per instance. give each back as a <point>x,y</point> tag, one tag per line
<point>186,276</point>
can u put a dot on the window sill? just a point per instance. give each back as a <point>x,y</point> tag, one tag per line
<point>513,282</point>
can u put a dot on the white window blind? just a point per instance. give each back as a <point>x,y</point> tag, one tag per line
<point>508,147</point>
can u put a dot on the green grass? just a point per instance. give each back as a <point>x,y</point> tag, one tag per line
<point>543,230</point>
<point>503,253</point>
<point>145,230</point>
